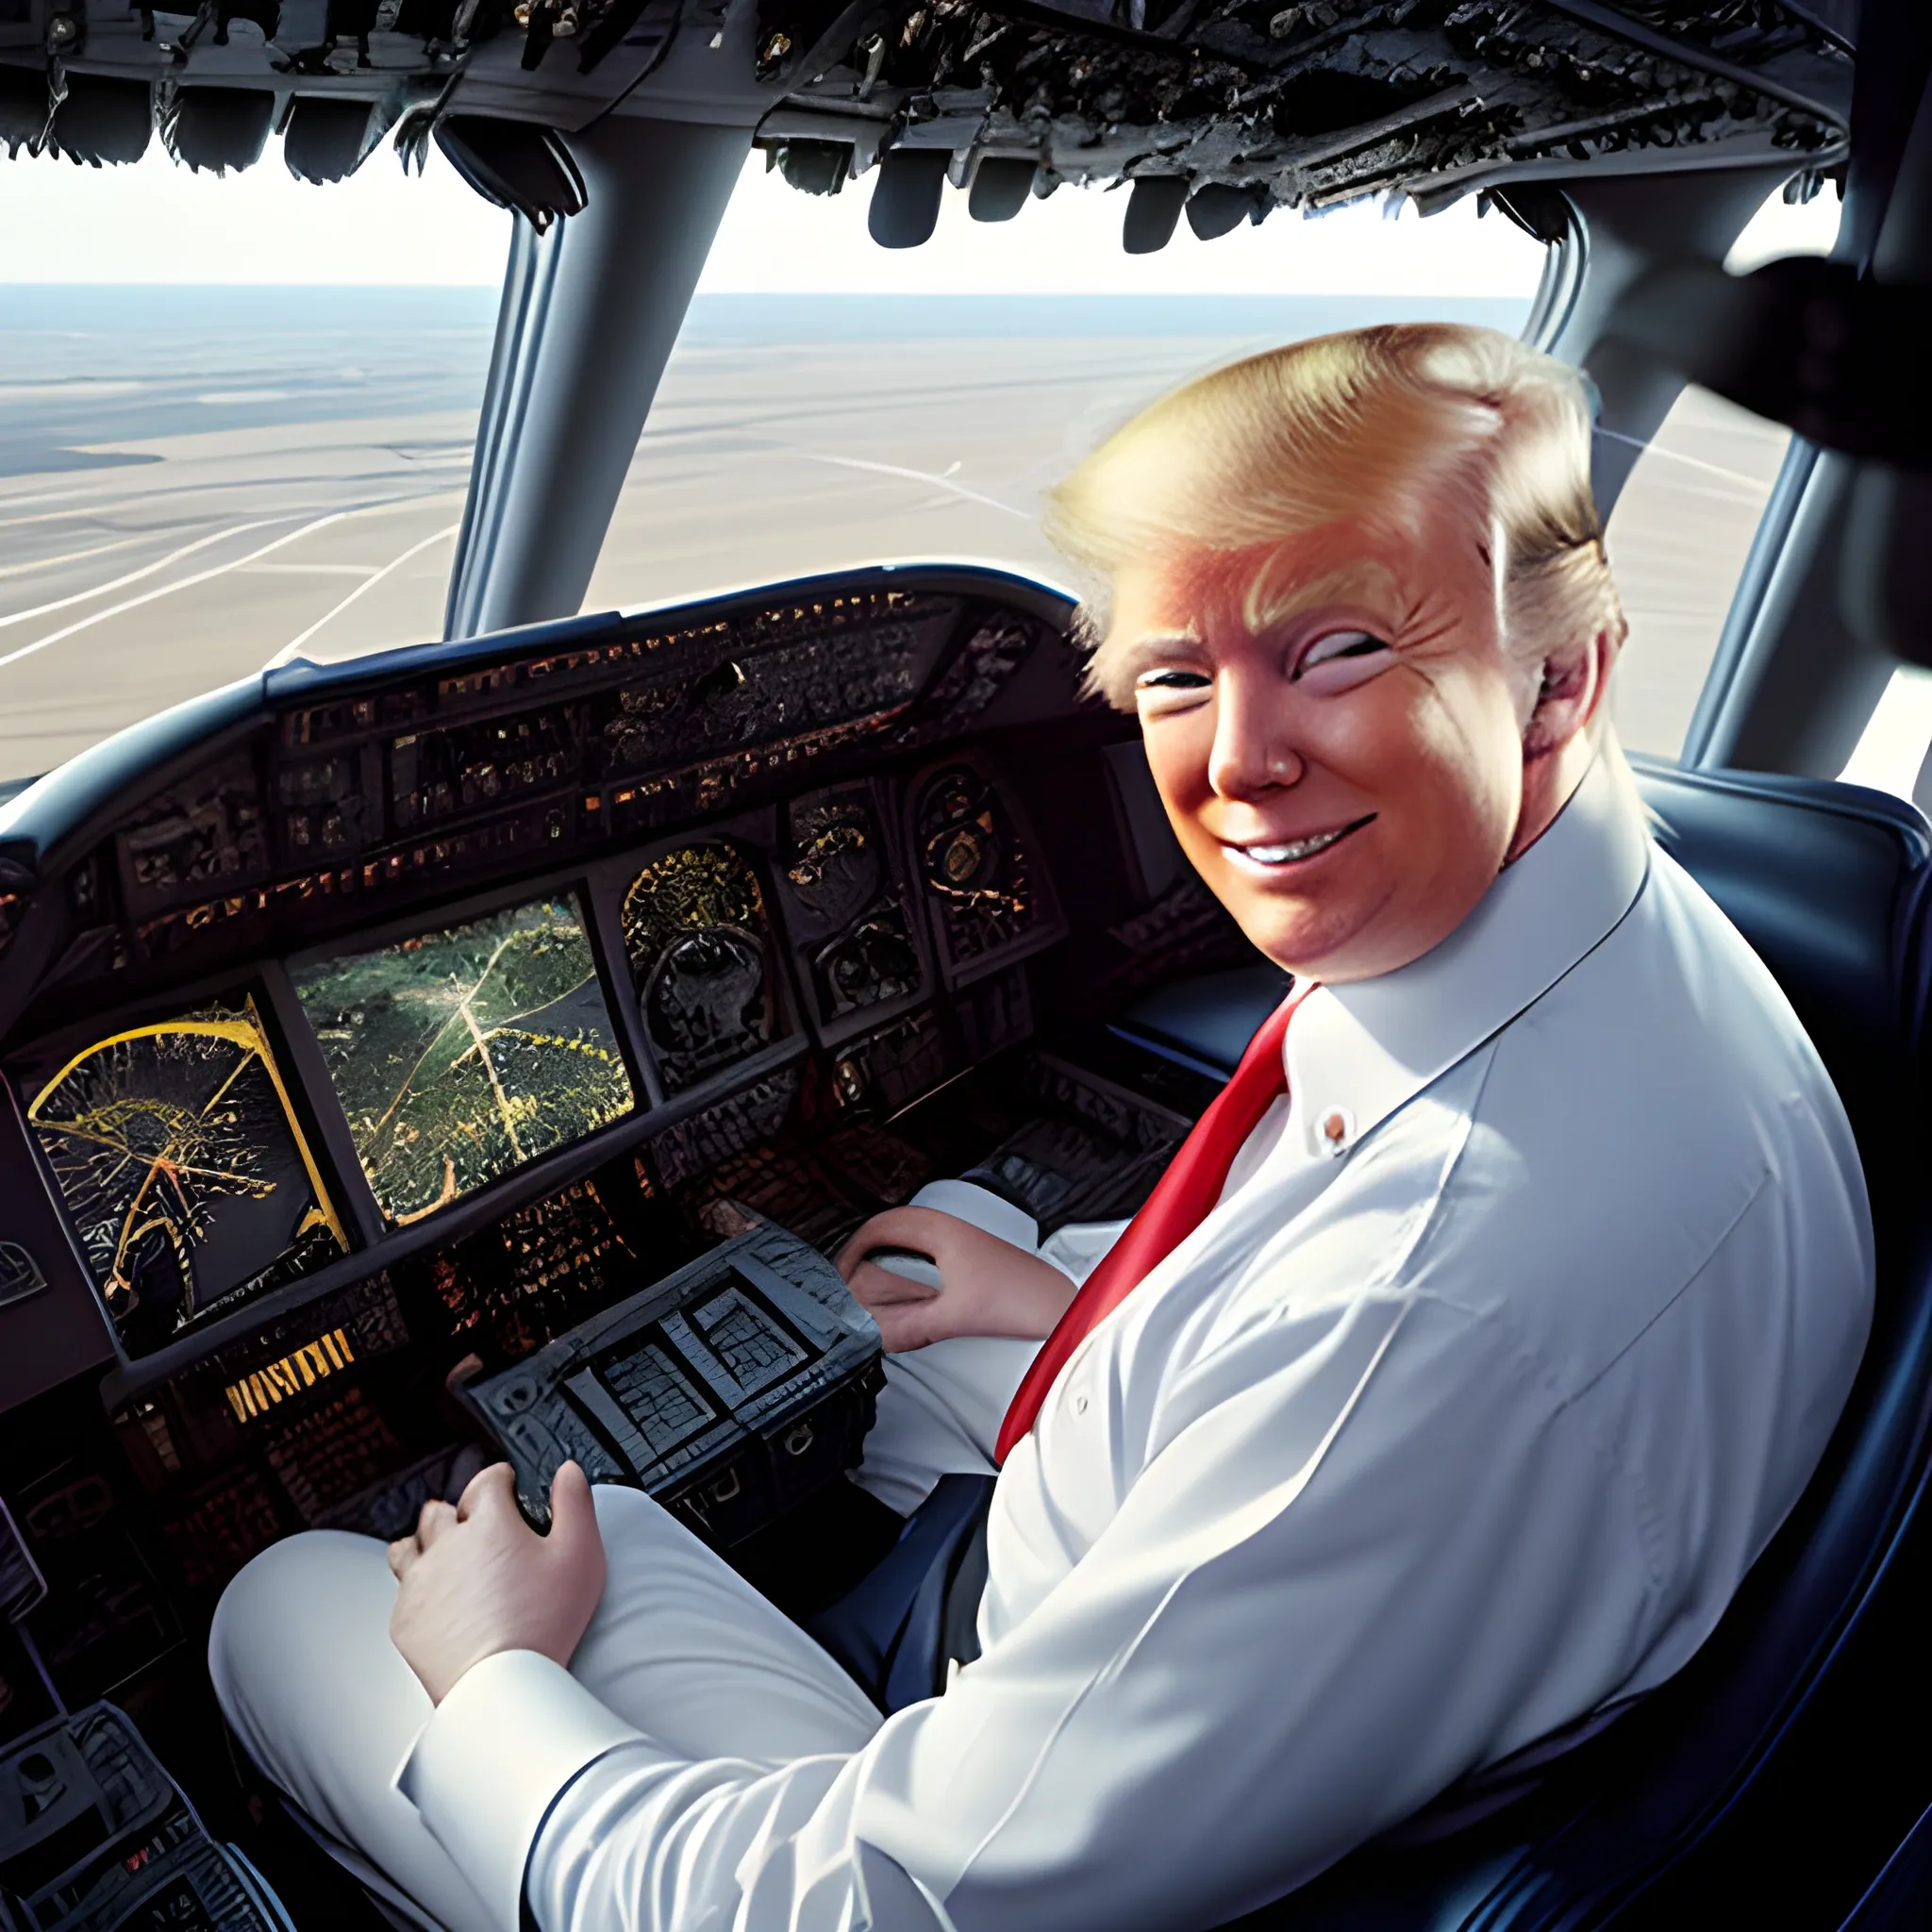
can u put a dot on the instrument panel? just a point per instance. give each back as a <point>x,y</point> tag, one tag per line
<point>217,1152</point>
<point>318,797</point>
<point>364,1068</point>
<point>174,1149</point>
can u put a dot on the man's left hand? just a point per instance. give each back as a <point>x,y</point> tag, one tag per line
<point>475,1578</point>
<point>991,1288</point>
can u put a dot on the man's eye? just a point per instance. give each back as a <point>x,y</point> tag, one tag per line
<point>1338,644</point>
<point>1171,680</point>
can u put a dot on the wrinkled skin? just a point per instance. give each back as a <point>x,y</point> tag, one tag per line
<point>1357,684</point>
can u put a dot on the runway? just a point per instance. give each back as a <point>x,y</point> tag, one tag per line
<point>193,485</point>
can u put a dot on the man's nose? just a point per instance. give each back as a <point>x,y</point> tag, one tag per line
<point>1252,750</point>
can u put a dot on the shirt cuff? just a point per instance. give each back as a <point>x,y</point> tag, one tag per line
<point>486,1769</point>
<point>980,1208</point>
<point>1077,1249</point>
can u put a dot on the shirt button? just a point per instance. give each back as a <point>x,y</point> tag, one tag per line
<point>1079,1405</point>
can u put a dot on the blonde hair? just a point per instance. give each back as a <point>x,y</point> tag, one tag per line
<point>1364,427</point>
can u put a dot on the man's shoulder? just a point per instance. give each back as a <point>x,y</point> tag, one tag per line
<point>1633,1130</point>
<point>1669,1042</point>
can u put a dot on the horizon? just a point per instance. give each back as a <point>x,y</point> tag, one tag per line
<point>160,223</point>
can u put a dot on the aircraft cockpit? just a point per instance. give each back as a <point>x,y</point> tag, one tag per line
<point>482,1050</point>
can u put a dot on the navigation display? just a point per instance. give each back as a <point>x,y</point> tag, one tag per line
<point>461,1054</point>
<point>183,1168</point>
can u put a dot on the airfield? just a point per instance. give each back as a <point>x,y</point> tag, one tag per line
<point>291,482</point>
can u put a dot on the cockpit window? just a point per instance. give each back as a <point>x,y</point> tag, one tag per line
<point>1683,525</point>
<point>1678,538</point>
<point>899,405</point>
<point>219,448</point>
<point>1894,750</point>
<point>234,412</point>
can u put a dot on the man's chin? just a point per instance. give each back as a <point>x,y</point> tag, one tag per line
<point>1311,946</point>
<point>1326,938</point>
<point>1314,926</point>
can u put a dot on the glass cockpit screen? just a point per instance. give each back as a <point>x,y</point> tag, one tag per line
<point>461,1054</point>
<point>183,1168</point>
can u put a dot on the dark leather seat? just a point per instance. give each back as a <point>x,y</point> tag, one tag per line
<point>1756,1787</point>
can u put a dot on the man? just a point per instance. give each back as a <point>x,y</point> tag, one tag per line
<point>1432,1404</point>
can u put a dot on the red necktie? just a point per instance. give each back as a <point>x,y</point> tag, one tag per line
<point>1181,1202</point>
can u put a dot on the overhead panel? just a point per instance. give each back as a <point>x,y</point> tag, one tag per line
<point>1302,103</point>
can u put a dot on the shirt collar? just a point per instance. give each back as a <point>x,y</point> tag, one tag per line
<point>1357,1053</point>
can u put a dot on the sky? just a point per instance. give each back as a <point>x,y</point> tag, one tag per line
<point>160,221</point>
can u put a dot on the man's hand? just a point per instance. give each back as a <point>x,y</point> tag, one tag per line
<point>478,1579</point>
<point>991,1288</point>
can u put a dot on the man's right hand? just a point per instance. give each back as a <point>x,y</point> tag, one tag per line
<point>477,1579</point>
<point>990,1286</point>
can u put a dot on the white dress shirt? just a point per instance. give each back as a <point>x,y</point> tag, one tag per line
<point>1418,1449</point>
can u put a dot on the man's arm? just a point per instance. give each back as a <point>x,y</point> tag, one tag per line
<point>941,1410</point>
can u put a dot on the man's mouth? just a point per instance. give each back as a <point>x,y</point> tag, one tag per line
<point>1291,851</point>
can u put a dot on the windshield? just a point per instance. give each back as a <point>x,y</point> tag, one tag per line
<point>220,447</point>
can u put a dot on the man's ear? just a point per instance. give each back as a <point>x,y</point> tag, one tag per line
<point>1572,683</point>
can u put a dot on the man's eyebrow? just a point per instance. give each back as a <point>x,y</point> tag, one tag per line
<point>1116,662</point>
<point>1269,603</point>
<point>1151,643</point>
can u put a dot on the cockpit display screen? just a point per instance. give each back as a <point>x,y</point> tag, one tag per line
<point>459,1054</point>
<point>183,1168</point>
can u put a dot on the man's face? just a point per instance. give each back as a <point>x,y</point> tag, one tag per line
<point>1335,731</point>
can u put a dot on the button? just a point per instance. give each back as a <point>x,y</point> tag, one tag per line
<point>1334,1131</point>
<point>1079,1405</point>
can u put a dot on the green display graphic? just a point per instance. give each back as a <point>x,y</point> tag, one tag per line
<point>460,1055</point>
